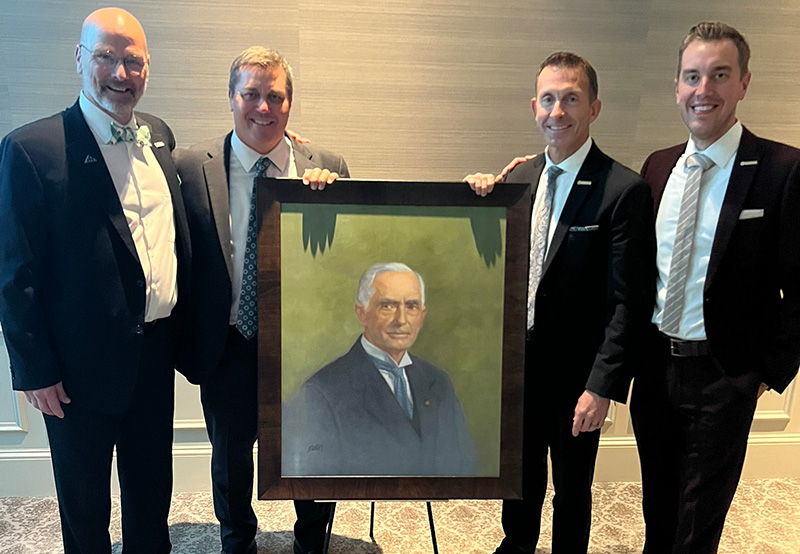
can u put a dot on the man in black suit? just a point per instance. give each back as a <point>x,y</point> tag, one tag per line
<point>218,184</point>
<point>94,250</point>
<point>727,320</point>
<point>379,410</point>
<point>589,296</point>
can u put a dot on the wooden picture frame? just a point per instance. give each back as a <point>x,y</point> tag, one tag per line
<point>500,225</point>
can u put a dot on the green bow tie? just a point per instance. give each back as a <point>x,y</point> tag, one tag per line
<point>140,136</point>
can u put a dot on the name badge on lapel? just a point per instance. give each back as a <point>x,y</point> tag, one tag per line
<point>751,214</point>
<point>159,144</point>
<point>583,228</point>
<point>583,183</point>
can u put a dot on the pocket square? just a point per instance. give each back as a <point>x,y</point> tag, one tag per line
<point>580,228</point>
<point>751,214</point>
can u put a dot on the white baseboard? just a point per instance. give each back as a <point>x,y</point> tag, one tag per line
<point>618,459</point>
<point>28,472</point>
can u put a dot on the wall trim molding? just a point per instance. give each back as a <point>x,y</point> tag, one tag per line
<point>755,438</point>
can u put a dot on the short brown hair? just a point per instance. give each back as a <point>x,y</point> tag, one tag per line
<point>263,57</point>
<point>716,31</point>
<point>568,59</point>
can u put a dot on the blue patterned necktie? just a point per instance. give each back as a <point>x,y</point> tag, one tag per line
<point>540,232</point>
<point>247,317</point>
<point>400,385</point>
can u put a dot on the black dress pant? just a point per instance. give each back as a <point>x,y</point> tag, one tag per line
<point>573,461</point>
<point>691,423</point>
<point>82,445</point>
<point>230,407</point>
<point>549,410</point>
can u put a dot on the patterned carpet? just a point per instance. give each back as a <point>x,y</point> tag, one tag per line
<point>764,519</point>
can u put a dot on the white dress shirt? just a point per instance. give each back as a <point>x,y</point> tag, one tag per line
<point>713,186</point>
<point>147,206</point>
<point>241,173</point>
<point>388,376</point>
<point>571,166</point>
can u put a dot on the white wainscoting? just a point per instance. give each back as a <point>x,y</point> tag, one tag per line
<point>25,458</point>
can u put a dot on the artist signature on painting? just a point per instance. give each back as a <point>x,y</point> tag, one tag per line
<point>314,448</point>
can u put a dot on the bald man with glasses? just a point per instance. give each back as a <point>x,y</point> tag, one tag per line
<point>93,253</point>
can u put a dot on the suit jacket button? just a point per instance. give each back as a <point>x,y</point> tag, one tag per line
<point>140,283</point>
<point>139,329</point>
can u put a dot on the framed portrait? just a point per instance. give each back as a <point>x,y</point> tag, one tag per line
<point>391,340</point>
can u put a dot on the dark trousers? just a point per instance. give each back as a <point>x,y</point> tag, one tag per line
<point>230,407</point>
<point>691,423</point>
<point>573,460</point>
<point>548,427</point>
<point>82,445</point>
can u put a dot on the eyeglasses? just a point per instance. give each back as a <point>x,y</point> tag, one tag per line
<point>105,59</point>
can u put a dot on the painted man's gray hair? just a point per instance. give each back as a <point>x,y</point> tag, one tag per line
<point>365,288</point>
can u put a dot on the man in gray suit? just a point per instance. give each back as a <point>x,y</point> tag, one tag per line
<point>218,189</point>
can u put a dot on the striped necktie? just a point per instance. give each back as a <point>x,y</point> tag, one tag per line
<point>683,245</point>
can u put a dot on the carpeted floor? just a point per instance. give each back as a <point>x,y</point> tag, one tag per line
<point>764,519</point>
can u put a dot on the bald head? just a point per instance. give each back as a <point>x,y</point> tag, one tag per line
<point>113,62</point>
<point>113,21</point>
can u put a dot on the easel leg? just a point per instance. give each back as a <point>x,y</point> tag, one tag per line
<point>372,521</point>
<point>433,529</point>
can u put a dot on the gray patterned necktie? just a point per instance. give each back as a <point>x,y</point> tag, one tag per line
<point>540,231</point>
<point>683,245</point>
<point>400,385</point>
<point>247,316</point>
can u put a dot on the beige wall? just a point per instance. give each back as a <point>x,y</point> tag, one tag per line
<point>412,90</point>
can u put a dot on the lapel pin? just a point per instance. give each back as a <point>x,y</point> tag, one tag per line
<point>583,182</point>
<point>748,162</point>
<point>427,402</point>
<point>159,144</point>
<point>89,159</point>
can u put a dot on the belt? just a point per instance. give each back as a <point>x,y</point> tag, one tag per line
<point>687,348</point>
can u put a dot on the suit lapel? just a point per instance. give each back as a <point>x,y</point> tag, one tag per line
<point>657,173</point>
<point>584,183</point>
<point>215,171</point>
<point>425,402</point>
<point>742,177</point>
<point>88,172</point>
<point>379,401</point>
<point>302,157</point>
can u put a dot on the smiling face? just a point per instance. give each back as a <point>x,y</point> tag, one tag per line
<point>563,110</point>
<point>395,313</point>
<point>260,104</point>
<point>113,34</point>
<point>708,88</point>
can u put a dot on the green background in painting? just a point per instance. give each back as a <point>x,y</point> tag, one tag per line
<point>463,331</point>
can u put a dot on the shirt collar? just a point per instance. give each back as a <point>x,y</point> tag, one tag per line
<point>376,352</point>
<point>724,149</point>
<point>279,156</point>
<point>572,164</point>
<point>99,122</point>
